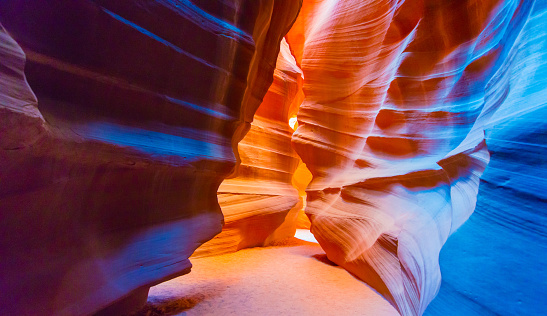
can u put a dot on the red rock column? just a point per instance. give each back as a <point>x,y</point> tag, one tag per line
<point>257,202</point>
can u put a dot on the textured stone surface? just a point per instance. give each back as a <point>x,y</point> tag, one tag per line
<point>111,156</point>
<point>398,94</point>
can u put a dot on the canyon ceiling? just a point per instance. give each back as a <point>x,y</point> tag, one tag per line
<point>135,134</point>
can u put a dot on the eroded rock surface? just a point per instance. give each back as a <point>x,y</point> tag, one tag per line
<point>112,154</point>
<point>398,94</point>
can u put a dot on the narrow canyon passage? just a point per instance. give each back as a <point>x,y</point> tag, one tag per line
<point>267,157</point>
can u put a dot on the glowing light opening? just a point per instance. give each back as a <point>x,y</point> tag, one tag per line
<point>306,235</point>
<point>293,122</point>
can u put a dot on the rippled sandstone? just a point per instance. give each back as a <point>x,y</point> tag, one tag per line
<point>398,94</point>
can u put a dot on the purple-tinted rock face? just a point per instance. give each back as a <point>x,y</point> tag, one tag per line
<point>112,153</point>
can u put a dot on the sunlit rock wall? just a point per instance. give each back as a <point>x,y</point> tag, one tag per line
<point>257,203</point>
<point>398,94</point>
<point>111,154</point>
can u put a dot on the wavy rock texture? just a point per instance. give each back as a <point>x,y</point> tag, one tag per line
<point>112,154</point>
<point>257,203</point>
<point>398,94</point>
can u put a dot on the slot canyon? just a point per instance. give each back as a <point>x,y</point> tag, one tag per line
<point>273,157</point>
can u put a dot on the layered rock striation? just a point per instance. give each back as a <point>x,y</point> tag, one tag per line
<point>398,94</point>
<point>118,122</point>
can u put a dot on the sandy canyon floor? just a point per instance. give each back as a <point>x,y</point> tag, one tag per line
<point>293,278</point>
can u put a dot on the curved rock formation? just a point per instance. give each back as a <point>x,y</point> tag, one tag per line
<point>257,202</point>
<point>109,175</point>
<point>119,120</point>
<point>392,128</point>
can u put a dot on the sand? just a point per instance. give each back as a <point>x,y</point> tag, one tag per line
<point>293,278</point>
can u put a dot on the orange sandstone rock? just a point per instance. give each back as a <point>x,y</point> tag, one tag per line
<point>257,202</point>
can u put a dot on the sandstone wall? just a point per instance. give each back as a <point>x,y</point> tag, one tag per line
<point>398,94</point>
<point>260,204</point>
<point>494,264</point>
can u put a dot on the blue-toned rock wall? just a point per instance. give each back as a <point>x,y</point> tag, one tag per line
<point>495,263</point>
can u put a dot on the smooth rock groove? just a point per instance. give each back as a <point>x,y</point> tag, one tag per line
<point>112,154</point>
<point>398,94</point>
